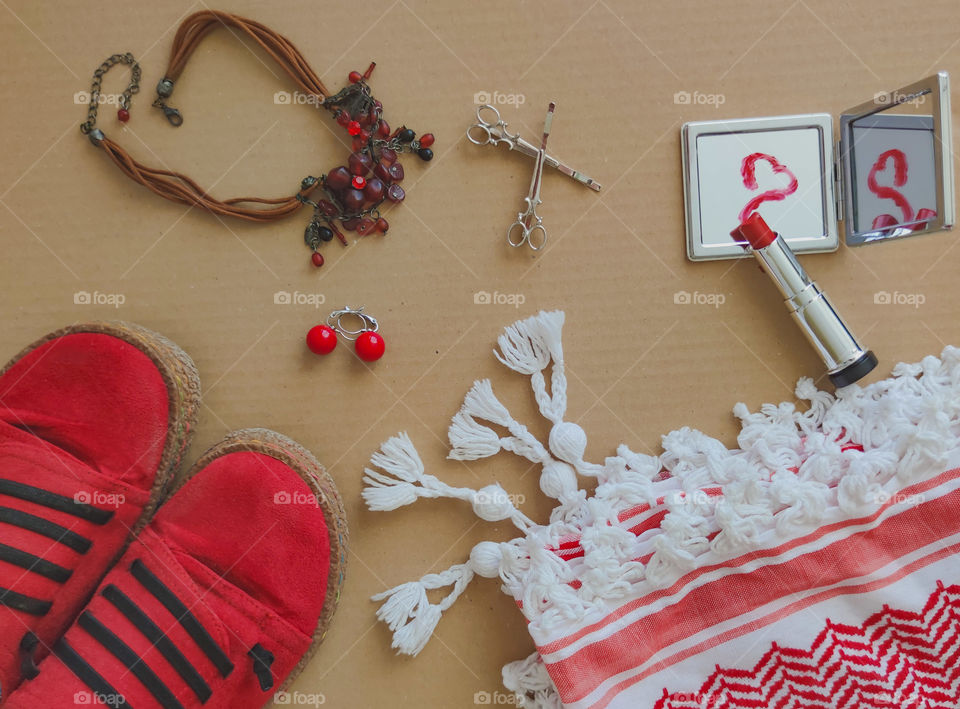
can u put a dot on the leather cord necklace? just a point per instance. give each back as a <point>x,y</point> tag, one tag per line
<point>348,196</point>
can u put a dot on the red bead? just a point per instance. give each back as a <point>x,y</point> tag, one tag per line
<point>426,140</point>
<point>353,128</point>
<point>123,115</point>
<point>317,259</point>
<point>382,225</point>
<point>343,118</point>
<point>365,226</point>
<point>322,339</point>
<point>370,346</point>
<point>396,172</point>
<point>383,129</point>
<point>350,224</point>
<point>377,105</point>
<point>369,71</point>
<point>382,171</point>
<point>395,193</point>
<point>328,208</point>
<point>360,163</point>
<point>354,77</point>
<point>365,135</point>
<point>357,144</point>
<point>359,182</point>
<point>338,178</point>
<point>336,233</point>
<point>388,156</point>
<point>366,119</point>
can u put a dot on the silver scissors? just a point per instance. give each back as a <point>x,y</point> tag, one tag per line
<point>492,130</point>
<point>529,229</point>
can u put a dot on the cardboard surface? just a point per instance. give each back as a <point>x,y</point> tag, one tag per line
<point>640,363</point>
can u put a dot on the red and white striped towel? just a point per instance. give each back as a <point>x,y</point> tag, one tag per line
<point>813,566</point>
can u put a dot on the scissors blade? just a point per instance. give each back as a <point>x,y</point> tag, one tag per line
<point>537,178</point>
<point>527,148</point>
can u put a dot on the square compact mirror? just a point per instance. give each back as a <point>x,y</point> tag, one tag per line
<point>889,175</point>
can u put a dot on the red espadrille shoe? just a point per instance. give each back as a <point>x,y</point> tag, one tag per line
<point>221,599</point>
<point>93,421</point>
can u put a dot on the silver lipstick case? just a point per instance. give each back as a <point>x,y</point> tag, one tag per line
<point>823,327</point>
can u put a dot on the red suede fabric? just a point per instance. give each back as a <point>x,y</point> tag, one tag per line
<point>96,397</point>
<point>243,548</point>
<point>83,414</point>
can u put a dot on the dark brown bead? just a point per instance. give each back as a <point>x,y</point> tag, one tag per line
<point>360,163</point>
<point>350,224</point>
<point>383,129</point>
<point>382,225</point>
<point>374,190</point>
<point>395,193</point>
<point>353,200</point>
<point>338,178</point>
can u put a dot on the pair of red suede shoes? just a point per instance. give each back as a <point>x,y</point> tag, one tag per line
<point>114,591</point>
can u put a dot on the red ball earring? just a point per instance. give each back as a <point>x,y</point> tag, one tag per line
<point>368,343</point>
<point>322,339</point>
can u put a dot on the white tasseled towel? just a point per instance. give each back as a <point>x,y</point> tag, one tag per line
<point>814,566</point>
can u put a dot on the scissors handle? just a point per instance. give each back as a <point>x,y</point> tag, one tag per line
<point>519,234</point>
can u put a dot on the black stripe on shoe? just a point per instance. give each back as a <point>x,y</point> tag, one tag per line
<point>130,659</point>
<point>27,604</point>
<point>159,640</point>
<point>54,501</point>
<point>46,528</point>
<point>102,690</point>
<point>187,619</point>
<point>27,561</point>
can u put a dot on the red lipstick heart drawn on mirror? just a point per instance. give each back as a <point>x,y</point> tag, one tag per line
<point>900,168</point>
<point>748,170</point>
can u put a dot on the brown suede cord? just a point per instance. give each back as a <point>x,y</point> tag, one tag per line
<point>180,188</point>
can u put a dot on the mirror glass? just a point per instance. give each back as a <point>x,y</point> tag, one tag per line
<point>896,177</point>
<point>780,167</point>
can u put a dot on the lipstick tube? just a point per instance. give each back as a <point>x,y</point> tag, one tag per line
<point>846,360</point>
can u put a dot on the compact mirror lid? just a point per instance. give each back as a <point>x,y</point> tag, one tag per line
<point>896,155</point>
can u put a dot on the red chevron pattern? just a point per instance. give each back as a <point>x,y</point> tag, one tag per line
<point>895,659</point>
